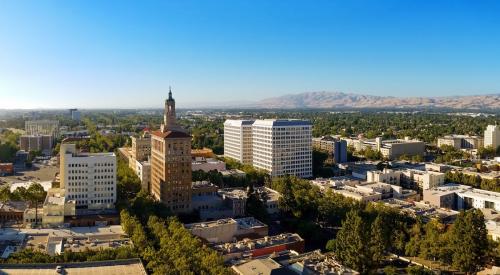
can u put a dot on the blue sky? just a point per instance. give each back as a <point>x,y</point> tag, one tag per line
<point>90,53</point>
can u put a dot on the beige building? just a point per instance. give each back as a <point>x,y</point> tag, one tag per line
<point>42,127</point>
<point>492,136</point>
<point>171,162</point>
<point>461,141</point>
<point>424,179</point>
<point>228,230</point>
<point>390,149</point>
<point>43,143</point>
<point>55,207</point>
<point>141,147</point>
<point>238,140</point>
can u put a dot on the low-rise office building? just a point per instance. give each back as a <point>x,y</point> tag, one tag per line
<point>247,249</point>
<point>336,148</point>
<point>461,141</point>
<point>12,211</point>
<point>391,148</point>
<point>208,164</point>
<point>42,143</point>
<point>291,262</point>
<point>228,230</point>
<point>458,197</point>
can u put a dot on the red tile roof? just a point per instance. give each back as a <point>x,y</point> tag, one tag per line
<point>171,134</point>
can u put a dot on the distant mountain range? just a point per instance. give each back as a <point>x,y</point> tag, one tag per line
<point>346,100</point>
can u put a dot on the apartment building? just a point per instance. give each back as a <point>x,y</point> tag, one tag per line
<point>492,136</point>
<point>42,127</point>
<point>171,162</point>
<point>238,140</point>
<point>461,141</point>
<point>88,178</point>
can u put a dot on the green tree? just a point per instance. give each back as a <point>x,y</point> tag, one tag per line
<point>350,245</point>
<point>469,241</point>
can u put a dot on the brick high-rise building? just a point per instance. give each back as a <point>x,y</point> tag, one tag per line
<point>171,162</point>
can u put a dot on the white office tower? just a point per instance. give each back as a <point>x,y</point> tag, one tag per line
<point>492,136</point>
<point>88,178</point>
<point>238,140</point>
<point>282,147</point>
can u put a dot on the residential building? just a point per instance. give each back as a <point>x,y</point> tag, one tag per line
<point>171,162</point>
<point>88,178</point>
<point>492,136</point>
<point>461,141</point>
<point>228,230</point>
<point>390,149</point>
<point>43,143</point>
<point>238,140</point>
<point>42,127</point>
<point>282,147</point>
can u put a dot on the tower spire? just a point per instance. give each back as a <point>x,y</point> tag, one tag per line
<point>170,93</point>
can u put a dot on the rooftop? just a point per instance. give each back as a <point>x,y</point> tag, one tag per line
<point>117,267</point>
<point>249,245</point>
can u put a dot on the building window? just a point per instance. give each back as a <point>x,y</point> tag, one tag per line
<point>489,205</point>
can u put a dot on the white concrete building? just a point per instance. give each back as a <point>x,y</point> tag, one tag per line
<point>424,179</point>
<point>387,176</point>
<point>238,140</point>
<point>461,141</point>
<point>282,147</point>
<point>492,136</point>
<point>89,179</point>
<point>278,146</point>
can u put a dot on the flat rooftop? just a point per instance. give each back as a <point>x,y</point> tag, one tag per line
<point>118,267</point>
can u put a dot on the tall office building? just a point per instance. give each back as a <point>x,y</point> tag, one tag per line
<point>88,179</point>
<point>75,114</point>
<point>281,147</point>
<point>171,162</point>
<point>42,127</point>
<point>238,140</point>
<point>492,136</point>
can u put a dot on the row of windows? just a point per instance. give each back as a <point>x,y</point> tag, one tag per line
<point>101,201</point>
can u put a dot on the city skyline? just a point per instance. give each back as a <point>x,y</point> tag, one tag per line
<point>85,53</point>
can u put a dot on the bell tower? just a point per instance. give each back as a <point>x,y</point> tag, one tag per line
<point>169,120</point>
